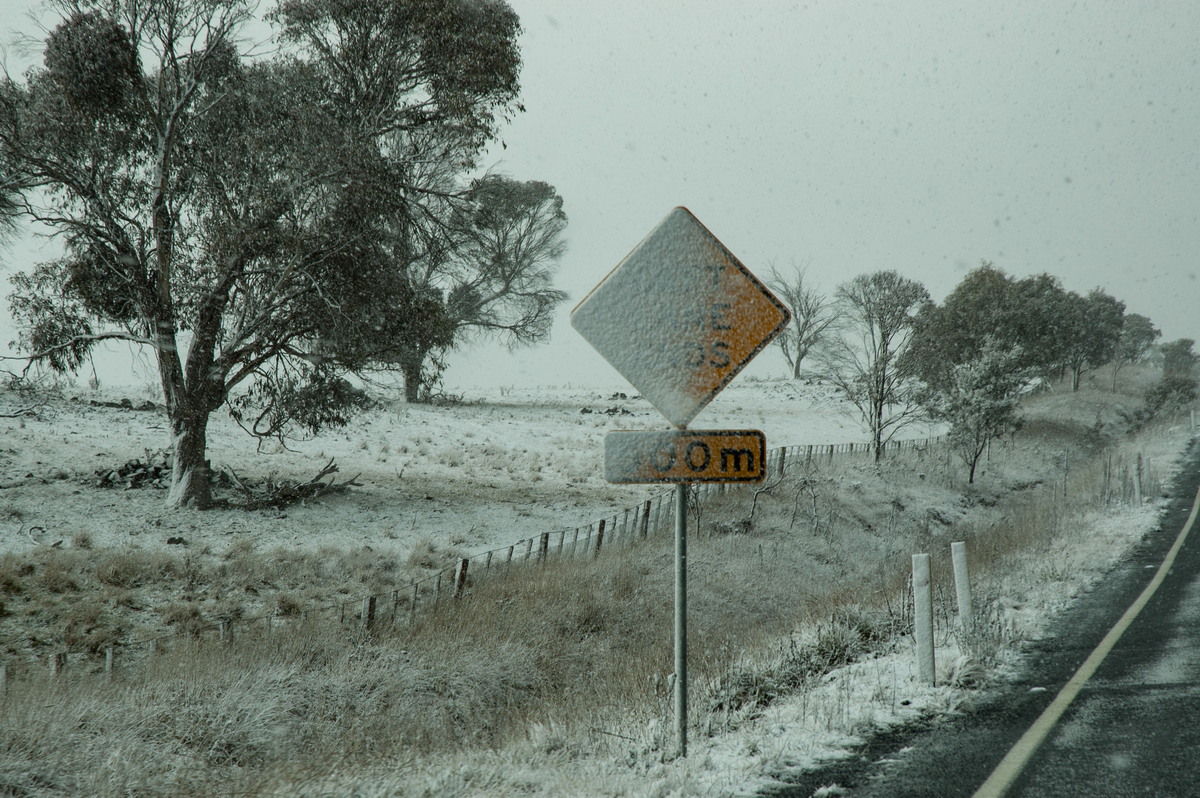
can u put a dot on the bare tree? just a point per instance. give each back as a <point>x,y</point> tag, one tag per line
<point>813,315</point>
<point>866,362</point>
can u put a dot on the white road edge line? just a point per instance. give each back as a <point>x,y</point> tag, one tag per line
<point>1018,756</point>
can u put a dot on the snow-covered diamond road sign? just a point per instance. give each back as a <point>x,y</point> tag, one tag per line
<point>679,317</point>
<point>684,455</point>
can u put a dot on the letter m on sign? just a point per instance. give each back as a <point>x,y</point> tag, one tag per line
<point>735,458</point>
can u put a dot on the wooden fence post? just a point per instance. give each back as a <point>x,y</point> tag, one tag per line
<point>437,588</point>
<point>528,549</point>
<point>645,519</point>
<point>223,631</point>
<point>58,664</point>
<point>544,547</point>
<point>599,538</point>
<point>460,584</point>
<point>366,616</point>
<point>562,540</point>
<point>575,542</point>
<point>1135,476</point>
<point>3,680</point>
<point>412,606</point>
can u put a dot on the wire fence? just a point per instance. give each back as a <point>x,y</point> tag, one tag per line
<point>403,604</point>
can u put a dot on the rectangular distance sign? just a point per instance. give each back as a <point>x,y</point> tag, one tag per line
<point>649,456</point>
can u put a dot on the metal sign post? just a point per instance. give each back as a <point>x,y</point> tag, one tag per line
<point>679,318</point>
<point>681,677</point>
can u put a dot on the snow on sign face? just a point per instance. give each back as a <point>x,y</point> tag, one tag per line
<point>679,317</point>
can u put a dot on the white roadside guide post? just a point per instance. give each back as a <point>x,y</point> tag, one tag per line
<point>679,317</point>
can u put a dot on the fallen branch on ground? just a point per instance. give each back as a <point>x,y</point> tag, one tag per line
<point>26,411</point>
<point>280,496</point>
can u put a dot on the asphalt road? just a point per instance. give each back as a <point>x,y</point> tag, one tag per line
<point>1129,729</point>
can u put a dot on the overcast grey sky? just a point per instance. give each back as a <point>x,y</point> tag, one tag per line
<point>856,136</point>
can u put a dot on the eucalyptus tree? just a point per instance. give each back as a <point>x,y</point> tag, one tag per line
<point>954,332</point>
<point>867,362</point>
<point>1178,358</point>
<point>980,401</point>
<point>1178,387</point>
<point>486,269</point>
<point>228,212</point>
<point>1091,333</point>
<point>1138,335</point>
<point>1053,329</point>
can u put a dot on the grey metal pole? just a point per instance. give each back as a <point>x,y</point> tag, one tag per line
<point>681,678</point>
<point>962,585</point>
<point>923,618</point>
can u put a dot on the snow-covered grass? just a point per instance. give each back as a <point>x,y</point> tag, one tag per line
<point>554,680</point>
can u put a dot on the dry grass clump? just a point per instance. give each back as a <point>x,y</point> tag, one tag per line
<point>85,600</point>
<point>429,556</point>
<point>90,627</point>
<point>131,568</point>
<point>740,693</point>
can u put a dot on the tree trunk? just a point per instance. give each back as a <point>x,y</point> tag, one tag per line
<point>412,380</point>
<point>878,432</point>
<point>974,465</point>
<point>191,485</point>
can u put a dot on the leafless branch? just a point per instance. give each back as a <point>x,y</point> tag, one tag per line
<point>26,411</point>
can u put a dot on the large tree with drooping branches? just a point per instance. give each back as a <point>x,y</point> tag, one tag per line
<point>243,217</point>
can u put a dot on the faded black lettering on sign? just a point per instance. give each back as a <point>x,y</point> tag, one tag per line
<point>649,456</point>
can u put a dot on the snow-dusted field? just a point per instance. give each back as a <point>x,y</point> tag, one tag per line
<point>502,466</point>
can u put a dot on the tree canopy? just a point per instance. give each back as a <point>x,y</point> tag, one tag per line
<point>488,271</point>
<point>1135,343</point>
<point>1053,329</point>
<point>254,221</point>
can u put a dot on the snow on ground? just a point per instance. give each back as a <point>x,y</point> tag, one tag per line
<point>503,465</point>
<point>866,697</point>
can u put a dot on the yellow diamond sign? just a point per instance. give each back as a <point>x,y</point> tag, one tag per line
<point>679,317</point>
